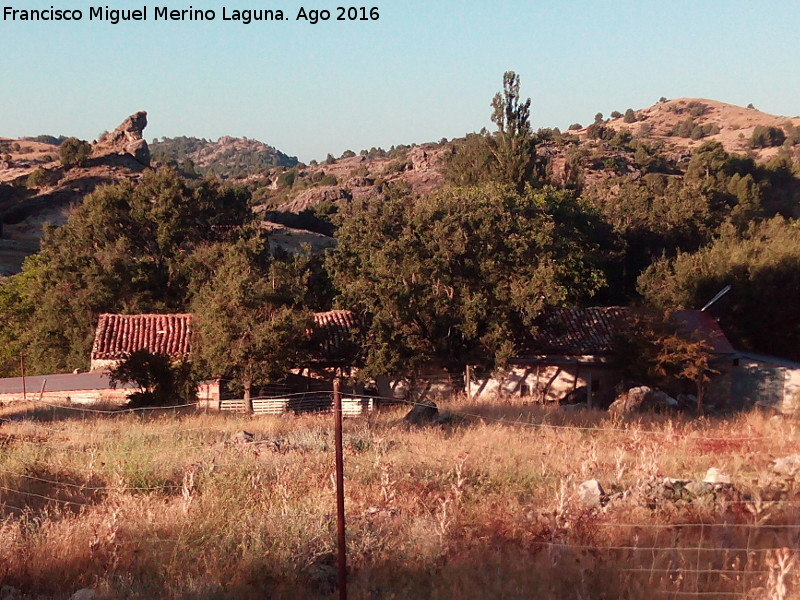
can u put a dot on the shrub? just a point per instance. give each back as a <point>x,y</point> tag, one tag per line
<point>575,127</point>
<point>616,114</point>
<point>74,152</point>
<point>286,179</point>
<point>630,116</point>
<point>767,137</point>
<point>599,131</point>
<point>697,109</point>
<point>329,180</point>
<point>41,177</point>
<point>159,381</point>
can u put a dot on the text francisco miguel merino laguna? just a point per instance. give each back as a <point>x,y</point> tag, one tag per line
<point>145,13</point>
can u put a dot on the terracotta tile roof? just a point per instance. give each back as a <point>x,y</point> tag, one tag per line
<point>578,331</point>
<point>337,336</point>
<point>119,335</point>
<point>702,325</point>
<point>336,319</point>
<point>591,331</point>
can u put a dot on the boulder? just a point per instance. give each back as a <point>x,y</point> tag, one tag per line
<point>242,437</point>
<point>714,475</point>
<point>422,413</point>
<point>591,494</point>
<point>642,398</point>
<point>126,139</point>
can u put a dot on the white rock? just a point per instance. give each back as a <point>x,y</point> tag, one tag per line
<point>591,493</point>
<point>714,475</point>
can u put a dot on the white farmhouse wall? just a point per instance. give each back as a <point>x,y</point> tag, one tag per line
<point>544,382</point>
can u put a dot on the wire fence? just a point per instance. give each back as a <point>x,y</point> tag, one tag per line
<point>710,560</point>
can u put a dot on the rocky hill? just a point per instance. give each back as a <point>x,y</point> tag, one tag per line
<point>35,188</point>
<point>685,123</point>
<point>227,157</point>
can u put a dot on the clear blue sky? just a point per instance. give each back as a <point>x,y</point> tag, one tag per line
<point>423,71</point>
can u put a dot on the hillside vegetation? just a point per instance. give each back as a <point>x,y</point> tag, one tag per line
<point>228,156</point>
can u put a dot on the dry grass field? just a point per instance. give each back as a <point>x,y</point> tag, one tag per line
<point>171,504</point>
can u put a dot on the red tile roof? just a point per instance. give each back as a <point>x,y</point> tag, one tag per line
<point>591,331</point>
<point>117,336</point>
<point>701,325</point>
<point>336,319</point>
<point>578,331</point>
<point>337,336</point>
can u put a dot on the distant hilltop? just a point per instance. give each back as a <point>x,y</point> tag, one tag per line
<point>227,157</point>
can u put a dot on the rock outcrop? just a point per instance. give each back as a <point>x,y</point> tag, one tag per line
<point>126,139</point>
<point>641,398</point>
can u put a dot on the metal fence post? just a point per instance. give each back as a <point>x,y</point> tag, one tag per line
<point>341,541</point>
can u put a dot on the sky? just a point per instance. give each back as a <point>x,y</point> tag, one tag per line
<point>422,71</point>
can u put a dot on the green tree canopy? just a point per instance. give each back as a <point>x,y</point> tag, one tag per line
<point>762,266</point>
<point>128,248</point>
<point>74,152</point>
<point>246,328</point>
<point>456,276</point>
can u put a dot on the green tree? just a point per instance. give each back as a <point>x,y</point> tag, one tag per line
<point>767,137</point>
<point>246,328</point>
<point>630,116</point>
<point>74,152</point>
<point>128,248</point>
<point>158,380</point>
<point>471,161</point>
<point>461,275</point>
<point>652,348</point>
<point>513,145</point>
<point>17,304</point>
<point>762,266</point>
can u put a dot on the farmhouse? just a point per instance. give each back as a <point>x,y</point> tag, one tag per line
<point>573,351</point>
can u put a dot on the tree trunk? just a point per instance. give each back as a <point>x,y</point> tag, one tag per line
<point>248,402</point>
<point>700,388</point>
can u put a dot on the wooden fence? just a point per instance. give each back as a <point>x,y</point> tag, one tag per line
<point>316,402</point>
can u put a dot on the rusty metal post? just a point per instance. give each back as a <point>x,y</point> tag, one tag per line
<point>341,541</point>
<point>22,367</point>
